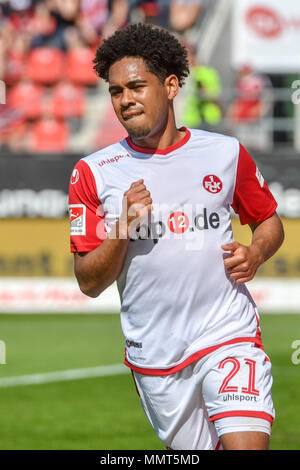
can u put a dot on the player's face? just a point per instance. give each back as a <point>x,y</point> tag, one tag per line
<point>140,100</point>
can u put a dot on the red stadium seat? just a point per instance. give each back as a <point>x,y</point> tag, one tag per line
<point>49,135</point>
<point>79,66</point>
<point>28,98</point>
<point>45,65</point>
<point>67,101</point>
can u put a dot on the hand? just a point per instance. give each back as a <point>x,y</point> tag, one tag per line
<point>242,264</point>
<point>137,203</point>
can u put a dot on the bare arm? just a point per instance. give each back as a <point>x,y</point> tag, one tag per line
<point>98,269</point>
<point>267,237</point>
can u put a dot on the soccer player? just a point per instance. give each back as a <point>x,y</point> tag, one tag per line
<point>152,212</point>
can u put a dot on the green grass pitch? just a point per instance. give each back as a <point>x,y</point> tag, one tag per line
<point>104,413</point>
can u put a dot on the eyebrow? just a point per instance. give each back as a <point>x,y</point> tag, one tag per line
<point>130,83</point>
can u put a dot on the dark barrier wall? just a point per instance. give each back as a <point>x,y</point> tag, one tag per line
<point>36,171</point>
<point>37,185</point>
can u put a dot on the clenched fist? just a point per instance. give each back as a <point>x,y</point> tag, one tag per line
<point>241,265</point>
<point>136,205</point>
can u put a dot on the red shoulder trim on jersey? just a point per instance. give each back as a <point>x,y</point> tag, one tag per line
<point>252,198</point>
<point>165,151</point>
<point>87,228</point>
<point>194,357</point>
<point>252,414</point>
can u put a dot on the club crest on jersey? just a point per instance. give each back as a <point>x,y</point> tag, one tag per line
<point>77,219</point>
<point>212,184</point>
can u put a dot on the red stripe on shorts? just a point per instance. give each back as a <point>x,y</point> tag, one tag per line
<point>252,414</point>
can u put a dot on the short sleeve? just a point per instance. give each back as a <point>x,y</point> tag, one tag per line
<point>87,229</point>
<point>252,200</point>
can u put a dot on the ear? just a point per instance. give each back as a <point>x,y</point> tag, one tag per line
<point>172,86</point>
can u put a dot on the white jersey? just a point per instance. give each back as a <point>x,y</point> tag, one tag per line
<point>177,302</point>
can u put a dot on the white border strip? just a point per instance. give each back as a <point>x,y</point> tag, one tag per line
<point>92,372</point>
<point>276,295</point>
<point>64,375</point>
<point>53,295</point>
<point>62,295</point>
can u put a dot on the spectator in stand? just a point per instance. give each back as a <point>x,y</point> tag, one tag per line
<point>184,14</point>
<point>19,15</point>
<point>64,13</point>
<point>253,103</point>
<point>93,19</point>
<point>200,101</point>
<point>44,24</point>
<point>253,97</point>
<point>101,18</point>
<point>94,15</point>
<point>16,29</point>
<point>18,46</point>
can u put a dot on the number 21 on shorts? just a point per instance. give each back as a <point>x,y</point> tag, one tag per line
<point>236,365</point>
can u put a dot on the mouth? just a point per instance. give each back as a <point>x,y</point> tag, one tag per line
<point>126,115</point>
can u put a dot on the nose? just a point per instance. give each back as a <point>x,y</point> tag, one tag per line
<point>127,98</point>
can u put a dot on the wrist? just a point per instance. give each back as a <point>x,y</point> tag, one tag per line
<point>257,247</point>
<point>119,231</point>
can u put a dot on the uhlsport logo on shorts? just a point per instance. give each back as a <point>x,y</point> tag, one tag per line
<point>135,344</point>
<point>77,219</point>
<point>212,184</point>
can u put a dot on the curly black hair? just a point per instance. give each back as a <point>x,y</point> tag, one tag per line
<point>162,53</point>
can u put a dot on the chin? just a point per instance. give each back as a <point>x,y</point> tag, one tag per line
<point>138,132</point>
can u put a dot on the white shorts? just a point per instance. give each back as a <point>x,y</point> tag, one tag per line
<point>226,391</point>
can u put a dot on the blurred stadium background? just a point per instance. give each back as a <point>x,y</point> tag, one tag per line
<point>62,382</point>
